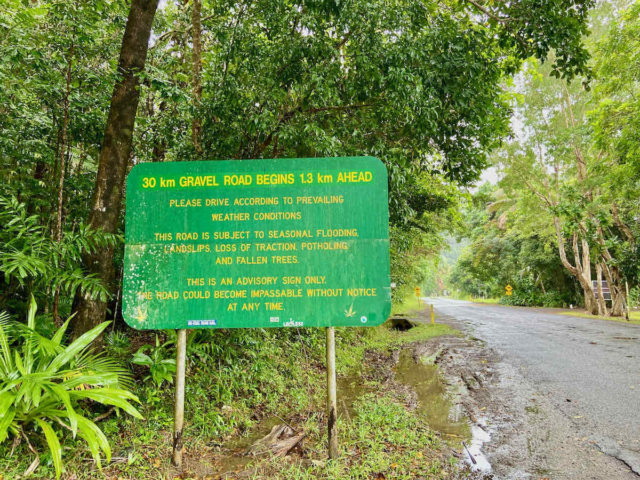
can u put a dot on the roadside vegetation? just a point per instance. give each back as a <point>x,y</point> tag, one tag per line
<point>232,390</point>
<point>564,212</point>
<point>634,317</point>
<point>89,89</point>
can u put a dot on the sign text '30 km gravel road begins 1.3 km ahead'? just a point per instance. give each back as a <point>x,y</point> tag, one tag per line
<point>257,243</point>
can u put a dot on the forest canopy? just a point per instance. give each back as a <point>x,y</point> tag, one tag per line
<point>563,219</point>
<point>419,84</point>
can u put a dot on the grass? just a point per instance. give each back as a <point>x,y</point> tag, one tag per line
<point>409,305</point>
<point>491,301</point>
<point>384,440</point>
<point>634,317</point>
<point>266,374</point>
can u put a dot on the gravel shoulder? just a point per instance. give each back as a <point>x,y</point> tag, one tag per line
<point>532,434</point>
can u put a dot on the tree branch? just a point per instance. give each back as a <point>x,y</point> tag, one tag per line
<point>621,225</point>
<point>488,13</point>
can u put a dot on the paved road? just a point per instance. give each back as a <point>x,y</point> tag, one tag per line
<point>589,368</point>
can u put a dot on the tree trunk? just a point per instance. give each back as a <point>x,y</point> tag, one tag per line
<point>614,278</point>
<point>582,268</point>
<point>114,155</point>
<point>624,228</point>
<point>590,300</point>
<point>196,124</point>
<point>618,304</point>
<point>602,303</point>
<point>159,145</point>
<point>63,148</point>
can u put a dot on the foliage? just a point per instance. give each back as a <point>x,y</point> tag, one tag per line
<point>617,114</point>
<point>568,196</point>
<point>255,375</point>
<point>44,384</point>
<point>423,85</point>
<point>418,84</point>
<point>161,366</point>
<point>506,249</point>
<point>32,261</point>
<point>634,297</point>
<point>526,295</point>
<point>395,440</point>
<point>117,343</point>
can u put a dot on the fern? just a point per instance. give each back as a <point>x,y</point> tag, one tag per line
<point>30,257</point>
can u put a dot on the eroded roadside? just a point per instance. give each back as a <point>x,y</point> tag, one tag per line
<point>466,392</point>
<point>528,437</point>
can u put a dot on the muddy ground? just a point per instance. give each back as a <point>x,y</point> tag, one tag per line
<point>468,393</point>
<point>530,438</point>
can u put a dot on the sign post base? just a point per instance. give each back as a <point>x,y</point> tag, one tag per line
<point>178,425</point>
<point>332,404</point>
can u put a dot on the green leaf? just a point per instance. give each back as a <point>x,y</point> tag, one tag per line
<point>111,396</point>
<point>7,361</point>
<point>31,314</point>
<point>76,347</point>
<point>64,396</point>
<point>54,445</point>
<point>94,438</point>
<point>57,337</point>
<point>140,358</point>
<point>5,422</point>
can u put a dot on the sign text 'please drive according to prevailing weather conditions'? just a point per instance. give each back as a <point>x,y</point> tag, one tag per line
<point>257,243</point>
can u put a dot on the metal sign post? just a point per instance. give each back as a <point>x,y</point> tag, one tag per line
<point>332,404</point>
<point>178,419</point>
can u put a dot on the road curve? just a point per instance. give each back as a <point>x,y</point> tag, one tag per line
<point>589,368</point>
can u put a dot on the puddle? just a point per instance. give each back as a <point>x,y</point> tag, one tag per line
<point>433,401</point>
<point>478,438</point>
<point>434,404</point>
<point>440,413</point>
<point>350,388</point>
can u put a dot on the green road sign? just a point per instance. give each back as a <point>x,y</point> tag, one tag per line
<point>257,243</point>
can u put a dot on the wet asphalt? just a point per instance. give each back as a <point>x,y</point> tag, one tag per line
<point>589,368</point>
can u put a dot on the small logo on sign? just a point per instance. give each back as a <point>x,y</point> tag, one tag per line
<point>363,319</point>
<point>274,319</point>
<point>201,323</point>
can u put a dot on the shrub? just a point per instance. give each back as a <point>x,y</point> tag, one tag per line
<point>159,361</point>
<point>118,344</point>
<point>45,385</point>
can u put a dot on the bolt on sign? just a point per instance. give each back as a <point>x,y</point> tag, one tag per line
<point>257,243</point>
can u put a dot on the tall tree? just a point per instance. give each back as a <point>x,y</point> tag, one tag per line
<point>415,83</point>
<point>115,154</point>
<point>196,81</point>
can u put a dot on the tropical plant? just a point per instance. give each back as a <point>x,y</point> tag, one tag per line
<point>45,385</point>
<point>161,366</point>
<point>30,259</point>
<point>117,343</point>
